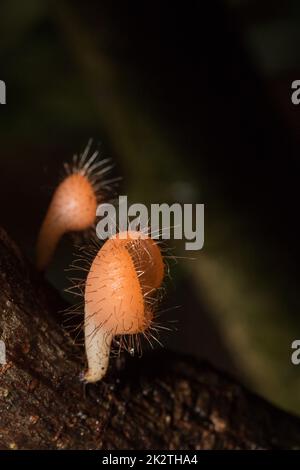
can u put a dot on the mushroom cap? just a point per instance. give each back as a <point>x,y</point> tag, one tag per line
<point>146,256</point>
<point>74,203</point>
<point>120,276</point>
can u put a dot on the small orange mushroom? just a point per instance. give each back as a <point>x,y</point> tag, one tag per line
<point>124,276</point>
<point>74,203</point>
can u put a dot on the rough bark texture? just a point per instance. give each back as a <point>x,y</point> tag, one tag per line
<point>160,402</point>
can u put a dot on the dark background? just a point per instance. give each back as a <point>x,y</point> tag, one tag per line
<point>193,103</point>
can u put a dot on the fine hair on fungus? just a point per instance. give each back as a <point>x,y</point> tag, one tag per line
<point>122,289</point>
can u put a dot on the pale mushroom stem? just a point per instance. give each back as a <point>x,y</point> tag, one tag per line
<point>49,236</point>
<point>97,346</point>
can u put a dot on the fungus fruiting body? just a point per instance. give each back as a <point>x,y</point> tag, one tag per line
<point>120,295</point>
<point>74,203</point>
